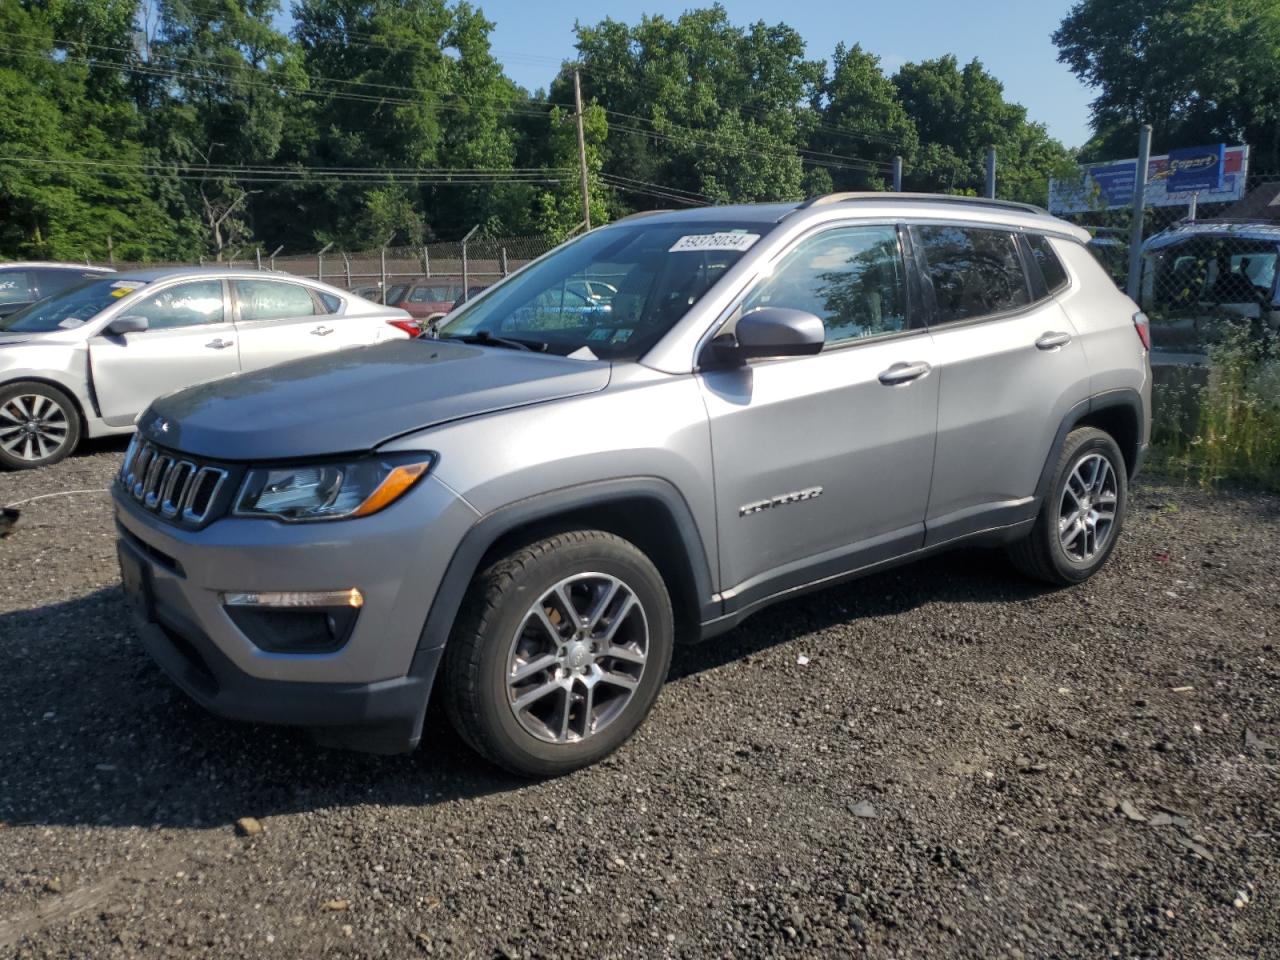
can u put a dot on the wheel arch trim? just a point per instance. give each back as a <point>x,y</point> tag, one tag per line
<point>1124,399</point>
<point>547,507</point>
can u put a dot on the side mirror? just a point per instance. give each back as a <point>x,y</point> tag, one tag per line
<point>130,324</point>
<point>771,332</point>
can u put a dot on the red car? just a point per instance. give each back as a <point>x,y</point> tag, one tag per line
<point>428,298</point>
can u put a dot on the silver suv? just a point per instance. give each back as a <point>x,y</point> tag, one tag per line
<point>525,513</point>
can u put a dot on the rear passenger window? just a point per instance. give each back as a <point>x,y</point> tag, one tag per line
<point>852,278</point>
<point>975,272</point>
<point>1055,274</point>
<point>273,300</point>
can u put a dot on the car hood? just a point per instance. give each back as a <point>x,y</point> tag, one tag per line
<point>7,338</point>
<point>356,399</point>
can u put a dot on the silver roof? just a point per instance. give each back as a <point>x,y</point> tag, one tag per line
<point>57,264</point>
<point>915,205</point>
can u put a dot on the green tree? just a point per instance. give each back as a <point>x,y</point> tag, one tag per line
<point>557,210</point>
<point>859,111</point>
<point>1198,71</point>
<point>409,88</point>
<point>699,105</point>
<point>76,185</point>
<point>228,82</point>
<point>959,112</point>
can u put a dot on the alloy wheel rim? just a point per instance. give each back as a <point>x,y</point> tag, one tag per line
<point>32,427</point>
<point>577,658</point>
<point>1087,510</point>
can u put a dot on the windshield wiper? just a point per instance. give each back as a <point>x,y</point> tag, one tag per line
<point>487,339</point>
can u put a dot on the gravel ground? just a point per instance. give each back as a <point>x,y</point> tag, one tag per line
<point>966,765</point>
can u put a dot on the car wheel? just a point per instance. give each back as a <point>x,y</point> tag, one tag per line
<point>1083,514</point>
<point>560,653</point>
<point>39,425</point>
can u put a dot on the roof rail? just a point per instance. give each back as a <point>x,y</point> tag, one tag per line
<point>883,197</point>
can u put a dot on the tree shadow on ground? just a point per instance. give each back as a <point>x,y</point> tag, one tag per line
<point>94,734</point>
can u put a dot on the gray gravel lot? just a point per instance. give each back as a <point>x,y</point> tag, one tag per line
<point>967,765</point>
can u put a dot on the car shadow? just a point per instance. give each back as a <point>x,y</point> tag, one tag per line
<point>94,734</point>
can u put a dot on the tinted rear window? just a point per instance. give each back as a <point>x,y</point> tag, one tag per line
<point>1055,274</point>
<point>975,272</point>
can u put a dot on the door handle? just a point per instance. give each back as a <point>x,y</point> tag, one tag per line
<point>901,373</point>
<point>1052,341</point>
<point>321,331</point>
<point>220,344</point>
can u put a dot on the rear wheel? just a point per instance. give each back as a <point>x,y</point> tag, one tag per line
<point>560,653</point>
<point>39,425</point>
<point>1082,516</point>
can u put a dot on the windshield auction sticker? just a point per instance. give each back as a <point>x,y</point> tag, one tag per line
<point>740,242</point>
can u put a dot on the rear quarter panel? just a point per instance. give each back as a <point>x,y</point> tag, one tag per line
<point>1103,318</point>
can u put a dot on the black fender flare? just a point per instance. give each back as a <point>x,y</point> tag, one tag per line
<point>487,530</point>
<point>1123,397</point>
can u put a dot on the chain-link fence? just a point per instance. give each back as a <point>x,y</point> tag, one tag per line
<point>460,267</point>
<point>1205,268</point>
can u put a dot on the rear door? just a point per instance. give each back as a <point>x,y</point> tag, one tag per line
<point>1011,368</point>
<point>189,339</point>
<point>822,463</point>
<point>279,320</point>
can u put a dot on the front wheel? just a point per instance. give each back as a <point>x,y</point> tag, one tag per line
<point>1082,515</point>
<point>39,426</point>
<point>559,654</point>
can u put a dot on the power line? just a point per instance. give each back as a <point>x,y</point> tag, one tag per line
<point>106,168</point>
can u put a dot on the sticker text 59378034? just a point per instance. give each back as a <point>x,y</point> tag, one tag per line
<point>730,240</point>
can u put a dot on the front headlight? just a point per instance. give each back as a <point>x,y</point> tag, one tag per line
<point>329,491</point>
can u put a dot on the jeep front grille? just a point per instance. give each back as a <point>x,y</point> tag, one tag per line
<point>170,485</point>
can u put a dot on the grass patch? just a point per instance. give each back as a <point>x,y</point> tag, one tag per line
<point>1225,427</point>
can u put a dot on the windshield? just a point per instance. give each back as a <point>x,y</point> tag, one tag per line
<point>611,294</point>
<point>71,308</point>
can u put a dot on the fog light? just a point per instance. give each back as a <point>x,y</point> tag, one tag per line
<point>320,598</point>
<point>295,621</point>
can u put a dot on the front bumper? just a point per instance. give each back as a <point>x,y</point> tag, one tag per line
<point>371,693</point>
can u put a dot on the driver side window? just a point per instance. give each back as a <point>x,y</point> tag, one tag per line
<point>184,305</point>
<point>852,278</point>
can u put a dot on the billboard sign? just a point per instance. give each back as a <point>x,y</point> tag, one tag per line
<point>1197,169</point>
<point>1212,174</point>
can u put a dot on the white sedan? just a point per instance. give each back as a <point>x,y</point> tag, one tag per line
<point>86,362</point>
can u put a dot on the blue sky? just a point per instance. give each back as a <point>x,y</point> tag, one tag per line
<point>1011,37</point>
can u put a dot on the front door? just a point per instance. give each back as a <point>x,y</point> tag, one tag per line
<point>1012,368</point>
<point>822,463</point>
<point>189,339</point>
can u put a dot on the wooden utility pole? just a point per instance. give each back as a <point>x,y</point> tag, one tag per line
<point>582,148</point>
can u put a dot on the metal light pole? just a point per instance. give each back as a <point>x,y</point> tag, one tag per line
<point>582,148</point>
<point>466,279</point>
<point>1139,211</point>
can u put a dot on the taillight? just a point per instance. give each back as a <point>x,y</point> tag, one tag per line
<point>408,325</point>
<point>1143,326</point>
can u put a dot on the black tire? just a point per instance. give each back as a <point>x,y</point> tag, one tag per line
<point>55,412</point>
<point>497,607</point>
<point>1041,554</point>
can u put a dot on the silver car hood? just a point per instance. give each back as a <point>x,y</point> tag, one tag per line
<point>354,400</point>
